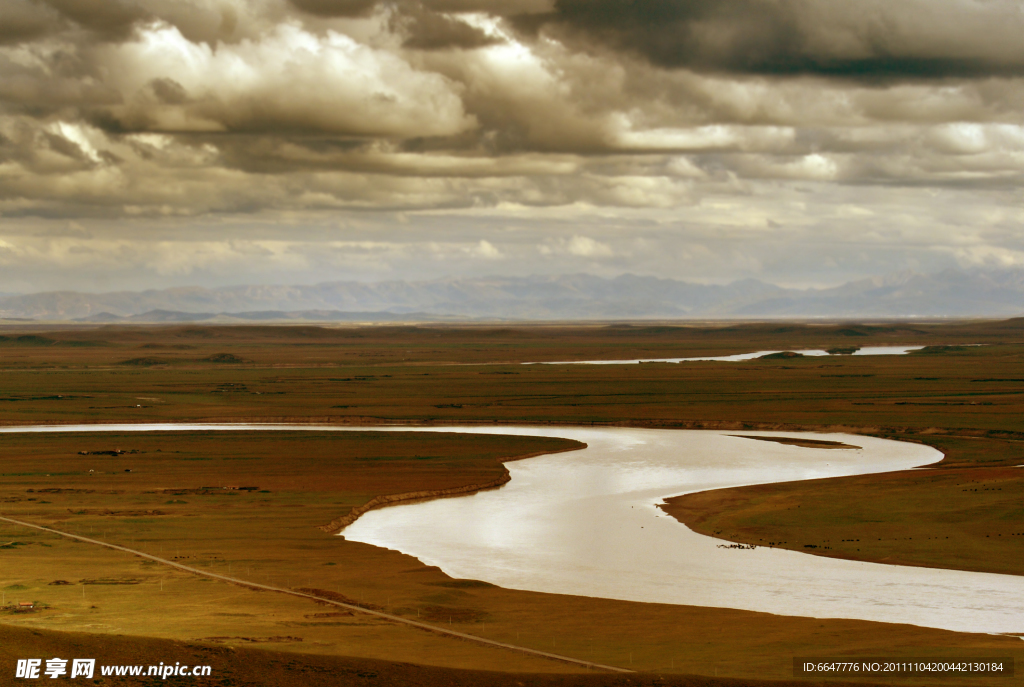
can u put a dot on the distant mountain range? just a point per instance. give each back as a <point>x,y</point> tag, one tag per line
<point>952,293</point>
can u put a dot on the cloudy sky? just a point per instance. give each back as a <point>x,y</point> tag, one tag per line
<point>146,143</point>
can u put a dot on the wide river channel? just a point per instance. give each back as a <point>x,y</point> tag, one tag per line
<point>587,523</point>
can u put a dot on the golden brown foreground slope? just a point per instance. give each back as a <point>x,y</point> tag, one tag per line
<point>246,667</point>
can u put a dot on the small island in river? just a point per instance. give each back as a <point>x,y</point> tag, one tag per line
<point>793,441</point>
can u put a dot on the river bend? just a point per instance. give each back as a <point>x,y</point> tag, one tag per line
<point>587,523</point>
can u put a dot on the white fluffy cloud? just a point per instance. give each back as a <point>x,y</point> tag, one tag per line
<point>288,80</point>
<point>554,136</point>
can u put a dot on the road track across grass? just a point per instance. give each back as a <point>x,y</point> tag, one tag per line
<point>332,602</point>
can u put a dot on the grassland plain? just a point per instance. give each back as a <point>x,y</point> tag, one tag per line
<point>172,504</point>
<point>967,401</point>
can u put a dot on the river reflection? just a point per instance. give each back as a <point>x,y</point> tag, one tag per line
<point>587,523</point>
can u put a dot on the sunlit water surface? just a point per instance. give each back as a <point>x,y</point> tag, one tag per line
<point>587,523</point>
<point>867,350</point>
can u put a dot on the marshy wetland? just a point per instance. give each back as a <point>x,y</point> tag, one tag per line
<point>965,401</point>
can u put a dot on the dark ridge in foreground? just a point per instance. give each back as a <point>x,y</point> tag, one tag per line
<point>244,667</point>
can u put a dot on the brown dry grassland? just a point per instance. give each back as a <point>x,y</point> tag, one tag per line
<point>966,401</point>
<point>250,667</point>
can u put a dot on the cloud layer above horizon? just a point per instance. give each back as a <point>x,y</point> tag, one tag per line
<point>219,141</point>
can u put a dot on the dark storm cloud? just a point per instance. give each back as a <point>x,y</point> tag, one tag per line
<point>429,30</point>
<point>23,20</point>
<point>425,27</point>
<point>144,107</point>
<point>494,7</point>
<point>60,85</point>
<point>866,40</point>
<point>336,8</point>
<point>168,91</point>
<point>357,8</point>
<point>111,19</point>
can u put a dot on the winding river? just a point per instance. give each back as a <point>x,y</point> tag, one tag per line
<point>587,523</point>
<point>867,350</point>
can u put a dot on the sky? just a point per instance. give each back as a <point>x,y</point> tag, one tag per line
<point>148,144</point>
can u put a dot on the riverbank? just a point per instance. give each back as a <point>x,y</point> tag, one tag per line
<point>337,525</point>
<point>910,527</point>
<point>954,518</point>
<point>586,524</point>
